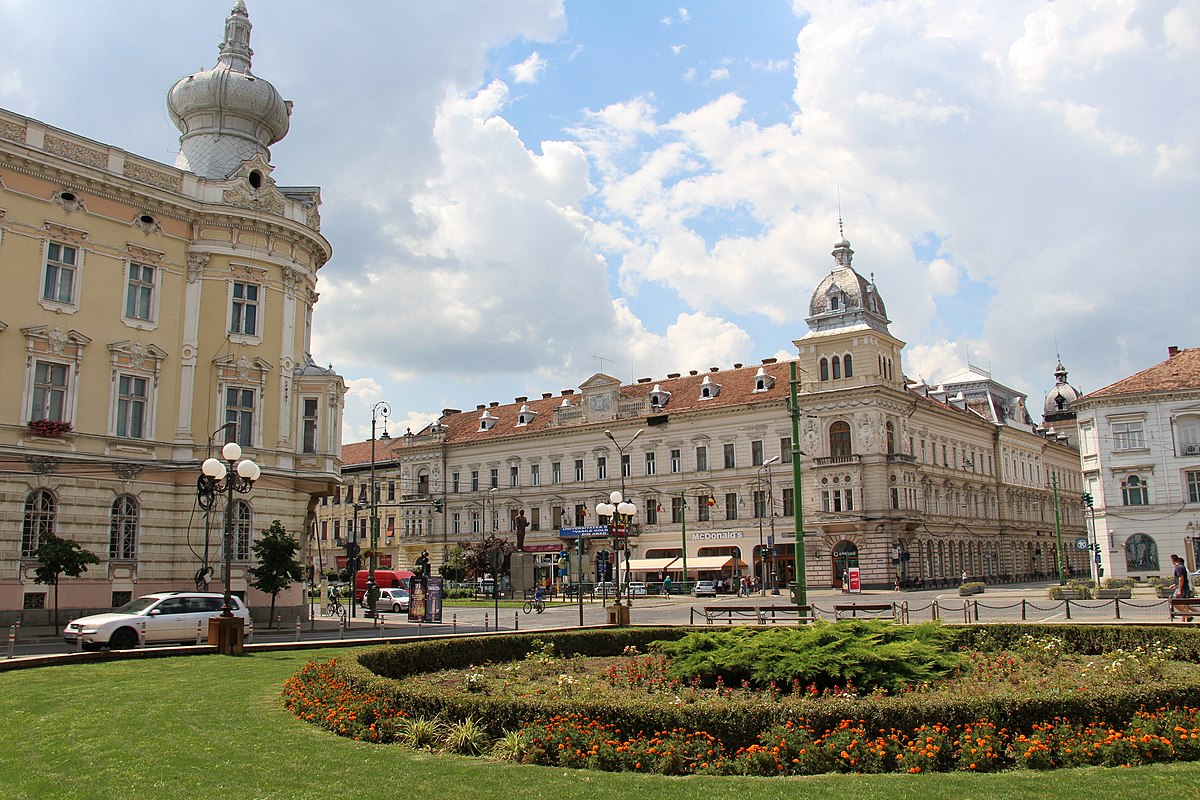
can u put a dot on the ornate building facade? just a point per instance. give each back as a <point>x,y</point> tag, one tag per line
<point>1140,452</point>
<point>145,307</point>
<point>902,481</point>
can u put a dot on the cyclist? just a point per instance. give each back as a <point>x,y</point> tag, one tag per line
<point>335,605</point>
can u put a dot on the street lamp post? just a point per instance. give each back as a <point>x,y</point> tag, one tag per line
<point>800,593</point>
<point>1093,546</point>
<point>379,410</point>
<point>619,505</point>
<point>762,556</point>
<point>204,574</point>
<point>226,631</point>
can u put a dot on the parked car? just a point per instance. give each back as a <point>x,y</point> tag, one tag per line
<point>395,599</point>
<point>636,589</point>
<point>164,616</point>
<point>606,589</point>
<point>705,588</point>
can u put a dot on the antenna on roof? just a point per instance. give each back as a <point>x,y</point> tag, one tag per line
<point>602,359</point>
<point>841,233</point>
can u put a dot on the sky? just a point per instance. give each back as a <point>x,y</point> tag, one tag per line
<point>522,194</point>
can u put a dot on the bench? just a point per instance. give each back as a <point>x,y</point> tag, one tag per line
<point>870,610</point>
<point>759,614</point>
<point>1184,608</point>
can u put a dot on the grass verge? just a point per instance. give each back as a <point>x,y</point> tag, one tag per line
<point>213,726</point>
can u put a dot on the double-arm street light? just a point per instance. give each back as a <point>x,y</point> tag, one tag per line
<point>379,411</point>
<point>226,631</point>
<point>768,507</point>
<point>619,511</point>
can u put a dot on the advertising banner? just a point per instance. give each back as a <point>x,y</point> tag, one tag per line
<point>425,598</point>
<point>855,581</point>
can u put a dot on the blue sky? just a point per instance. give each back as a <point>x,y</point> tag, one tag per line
<point>514,188</point>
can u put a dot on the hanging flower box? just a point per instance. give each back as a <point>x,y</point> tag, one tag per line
<point>50,428</point>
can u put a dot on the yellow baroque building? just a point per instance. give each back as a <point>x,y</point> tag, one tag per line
<point>150,313</point>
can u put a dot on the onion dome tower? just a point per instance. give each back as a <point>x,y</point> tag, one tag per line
<point>1059,407</point>
<point>226,114</point>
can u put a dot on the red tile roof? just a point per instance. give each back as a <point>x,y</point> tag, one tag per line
<point>1179,371</point>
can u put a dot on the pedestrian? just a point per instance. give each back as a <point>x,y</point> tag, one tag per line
<point>667,586</point>
<point>1183,588</point>
<point>964,576</point>
<point>897,583</point>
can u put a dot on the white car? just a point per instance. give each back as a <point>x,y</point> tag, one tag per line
<point>636,589</point>
<point>394,599</point>
<point>705,588</point>
<point>152,619</point>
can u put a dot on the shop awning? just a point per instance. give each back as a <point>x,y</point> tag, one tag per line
<point>651,564</point>
<point>714,562</point>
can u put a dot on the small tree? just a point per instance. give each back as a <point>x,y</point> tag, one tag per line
<point>278,568</point>
<point>57,557</point>
<point>453,569</point>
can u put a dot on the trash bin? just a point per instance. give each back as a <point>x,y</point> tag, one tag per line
<point>619,616</point>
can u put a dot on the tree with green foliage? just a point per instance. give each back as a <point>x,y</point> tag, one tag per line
<point>477,556</point>
<point>57,557</point>
<point>278,568</point>
<point>453,569</point>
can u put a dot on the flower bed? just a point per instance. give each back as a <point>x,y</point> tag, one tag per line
<point>622,711</point>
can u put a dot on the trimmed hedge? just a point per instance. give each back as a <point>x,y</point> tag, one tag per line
<point>739,722</point>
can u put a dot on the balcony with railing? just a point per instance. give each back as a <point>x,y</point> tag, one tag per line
<point>827,461</point>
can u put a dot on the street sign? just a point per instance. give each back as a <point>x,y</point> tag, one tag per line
<point>1081,544</point>
<point>770,540</point>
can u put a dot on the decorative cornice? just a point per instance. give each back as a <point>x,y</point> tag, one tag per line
<point>75,151</point>
<point>196,262</point>
<point>43,465</point>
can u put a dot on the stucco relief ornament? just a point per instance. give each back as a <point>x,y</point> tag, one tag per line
<point>43,465</point>
<point>196,262</point>
<point>243,368</point>
<point>811,441</point>
<point>866,435</point>
<point>127,472</point>
<point>137,354</point>
<point>291,280</point>
<point>58,340</point>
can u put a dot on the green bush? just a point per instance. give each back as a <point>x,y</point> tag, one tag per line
<point>1119,583</point>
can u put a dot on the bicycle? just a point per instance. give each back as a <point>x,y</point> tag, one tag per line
<point>530,605</point>
<point>336,609</point>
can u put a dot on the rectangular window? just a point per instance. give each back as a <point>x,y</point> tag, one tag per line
<point>730,460</point>
<point>601,468</point>
<point>535,519</point>
<point>676,461</point>
<point>702,506</point>
<point>475,522</point>
<point>239,408</point>
<point>580,515</point>
<point>649,463</point>
<point>456,523</point>
<point>579,469</point>
<point>556,517</point>
<point>760,503</point>
<point>61,263</point>
<point>1193,486</point>
<point>1127,436</point>
<point>49,391</point>
<point>391,494</point>
<point>895,497</point>
<point>556,472</point>
<point>494,476</point>
<point>474,480</point>
<point>324,528</point>
<point>139,292</point>
<point>244,319</point>
<point>455,482</point>
<point>785,450</point>
<point>731,503</point>
<point>652,513</point>
<point>514,476</point>
<point>309,440</point>
<point>131,406</point>
<point>701,458</point>
<point>677,510</point>
<point>789,504</point>
<point>535,475</point>
<point>756,453</point>
<point>626,465</point>
<point>337,531</point>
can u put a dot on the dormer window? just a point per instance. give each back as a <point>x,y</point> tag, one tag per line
<point>763,381</point>
<point>708,389</point>
<point>834,303</point>
<point>658,396</point>
<point>525,416</point>
<point>487,421</point>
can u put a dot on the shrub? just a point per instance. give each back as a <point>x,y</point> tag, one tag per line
<point>1119,583</point>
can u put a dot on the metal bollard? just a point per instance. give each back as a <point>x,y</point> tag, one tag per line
<point>1117,606</point>
<point>933,610</point>
<point>1022,609</point>
<point>454,623</point>
<point>12,639</point>
<point>278,622</point>
<point>249,630</point>
<point>341,629</point>
<point>1068,607</point>
<point>141,634</point>
<point>382,625</point>
<point>79,641</point>
<point>486,622</point>
<point>516,621</point>
<point>297,629</point>
<point>199,631</point>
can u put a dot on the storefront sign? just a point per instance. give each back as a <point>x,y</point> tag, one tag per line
<point>587,532</point>
<point>855,580</point>
<point>703,535</point>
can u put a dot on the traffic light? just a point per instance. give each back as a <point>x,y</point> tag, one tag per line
<point>1087,499</point>
<point>437,504</point>
<point>579,545</point>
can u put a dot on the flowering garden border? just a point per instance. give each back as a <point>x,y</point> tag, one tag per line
<point>357,697</point>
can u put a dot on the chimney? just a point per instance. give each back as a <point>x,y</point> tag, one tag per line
<point>737,366</point>
<point>547,395</point>
<point>480,407</point>
<point>568,392</point>
<point>644,380</point>
<point>449,412</point>
<point>675,374</point>
<point>692,372</point>
<point>769,360</point>
<point>521,400</point>
<point>1172,351</point>
<point>494,403</point>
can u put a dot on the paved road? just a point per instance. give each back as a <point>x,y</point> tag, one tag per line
<point>1025,602</point>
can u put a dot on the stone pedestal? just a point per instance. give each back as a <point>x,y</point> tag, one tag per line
<point>521,575</point>
<point>227,634</point>
<point>619,616</point>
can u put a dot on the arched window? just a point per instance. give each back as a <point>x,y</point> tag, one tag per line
<point>1133,491</point>
<point>839,439</point>
<point>123,528</point>
<point>40,513</point>
<point>1141,553</point>
<point>824,369</point>
<point>837,368</point>
<point>848,363</point>
<point>889,431</point>
<point>241,530</point>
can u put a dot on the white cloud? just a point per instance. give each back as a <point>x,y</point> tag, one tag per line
<point>684,16</point>
<point>1181,29</point>
<point>718,74</point>
<point>1084,121</point>
<point>529,69</point>
<point>676,49</point>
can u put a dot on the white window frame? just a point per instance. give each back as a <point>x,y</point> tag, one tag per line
<point>256,413</point>
<point>650,463</point>
<point>67,389</point>
<point>153,286</point>
<point>259,302</point>
<point>1132,435</point>
<point>147,404</point>
<point>535,475</point>
<point>53,303</point>
<point>310,422</point>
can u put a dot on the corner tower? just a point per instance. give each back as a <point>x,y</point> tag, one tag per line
<point>226,115</point>
<point>848,342</point>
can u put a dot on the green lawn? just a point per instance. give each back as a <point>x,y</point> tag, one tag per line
<point>213,726</point>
